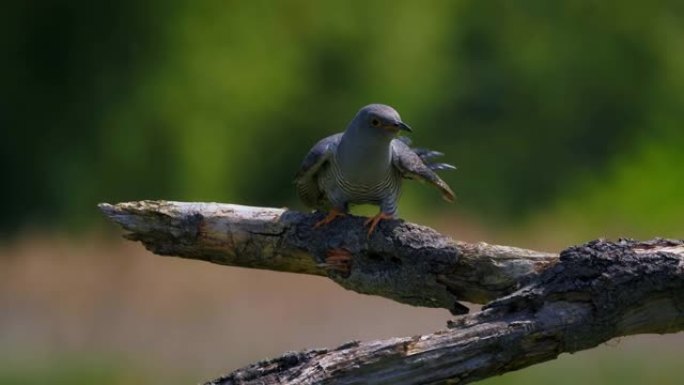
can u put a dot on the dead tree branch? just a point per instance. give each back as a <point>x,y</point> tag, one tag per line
<point>402,261</point>
<point>541,304</point>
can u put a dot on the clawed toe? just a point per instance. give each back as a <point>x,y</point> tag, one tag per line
<point>334,213</point>
<point>374,221</point>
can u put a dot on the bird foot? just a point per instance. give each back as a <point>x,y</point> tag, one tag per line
<point>339,260</point>
<point>334,213</point>
<point>374,221</point>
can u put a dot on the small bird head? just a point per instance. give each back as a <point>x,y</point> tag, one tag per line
<point>380,120</point>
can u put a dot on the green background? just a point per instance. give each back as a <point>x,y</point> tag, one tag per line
<point>565,119</point>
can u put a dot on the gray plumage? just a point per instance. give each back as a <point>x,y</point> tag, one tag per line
<point>366,164</point>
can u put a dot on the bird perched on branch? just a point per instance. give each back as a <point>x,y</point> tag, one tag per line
<point>366,164</point>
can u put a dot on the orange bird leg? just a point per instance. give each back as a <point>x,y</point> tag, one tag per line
<point>375,220</point>
<point>334,213</point>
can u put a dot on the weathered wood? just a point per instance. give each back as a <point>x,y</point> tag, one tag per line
<point>402,261</point>
<point>594,293</point>
<point>540,304</point>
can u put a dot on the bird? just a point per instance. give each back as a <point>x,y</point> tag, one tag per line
<point>366,164</point>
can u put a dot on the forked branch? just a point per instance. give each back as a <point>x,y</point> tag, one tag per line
<point>539,304</point>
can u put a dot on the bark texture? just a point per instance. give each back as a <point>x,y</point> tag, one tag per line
<point>539,304</point>
<point>402,261</point>
<point>594,293</point>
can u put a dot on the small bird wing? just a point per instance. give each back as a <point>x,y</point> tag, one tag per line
<point>306,179</point>
<point>411,165</point>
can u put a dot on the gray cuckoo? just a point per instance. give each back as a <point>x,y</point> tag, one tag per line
<point>365,164</point>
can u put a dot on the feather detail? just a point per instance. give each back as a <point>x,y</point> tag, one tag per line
<point>441,166</point>
<point>412,165</point>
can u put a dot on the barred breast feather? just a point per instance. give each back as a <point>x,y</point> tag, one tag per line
<point>321,184</point>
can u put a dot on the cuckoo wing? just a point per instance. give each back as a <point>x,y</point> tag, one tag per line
<point>306,180</point>
<point>412,165</point>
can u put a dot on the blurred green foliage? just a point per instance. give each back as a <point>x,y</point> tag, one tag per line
<point>75,369</point>
<point>568,105</point>
<point>597,367</point>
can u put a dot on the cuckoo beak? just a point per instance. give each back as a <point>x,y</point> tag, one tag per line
<point>403,126</point>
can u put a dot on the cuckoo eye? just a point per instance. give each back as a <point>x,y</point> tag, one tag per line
<point>375,122</point>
